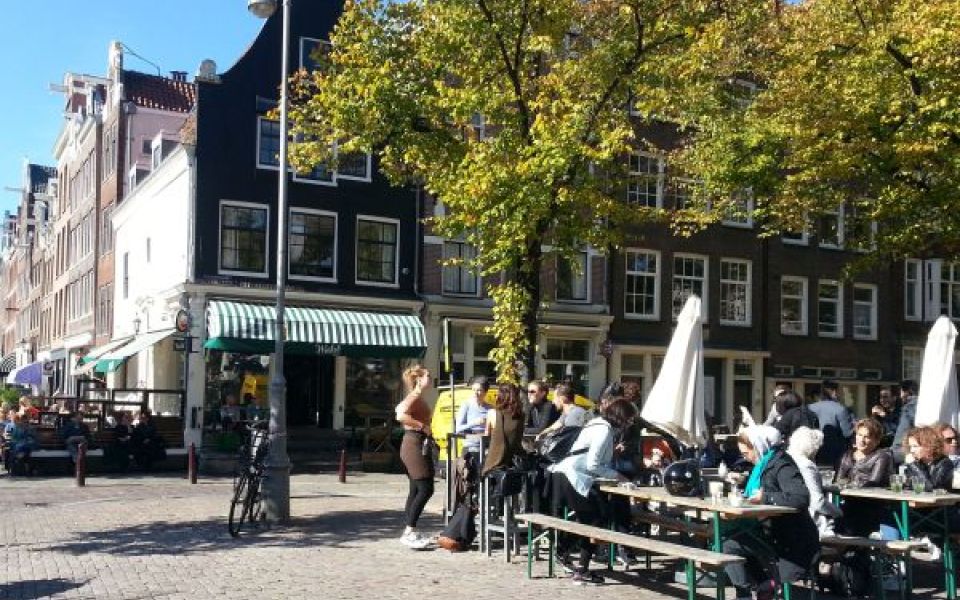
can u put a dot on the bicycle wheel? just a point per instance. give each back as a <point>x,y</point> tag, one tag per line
<point>239,504</point>
<point>253,503</point>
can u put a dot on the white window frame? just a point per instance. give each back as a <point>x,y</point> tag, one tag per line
<point>356,252</point>
<point>462,268</point>
<point>839,215</point>
<point>705,282</point>
<point>335,175</point>
<point>747,196</point>
<point>839,304</point>
<point>748,285</point>
<point>586,254</point>
<point>916,293</point>
<point>631,174</point>
<point>336,243</point>
<point>946,284</point>
<point>656,285</point>
<point>260,165</point>
<point>266,262</point>
<point>874,326</point>
<point>365,179</point>
<point>804,304</point>
<point>914,355</point>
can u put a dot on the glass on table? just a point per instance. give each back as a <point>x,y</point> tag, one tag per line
<point>896,483</point>
<point>919,485</point>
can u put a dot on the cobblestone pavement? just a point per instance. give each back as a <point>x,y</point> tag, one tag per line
<point>159,537</point>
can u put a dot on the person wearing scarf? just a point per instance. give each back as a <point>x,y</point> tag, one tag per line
<point>786,546</point>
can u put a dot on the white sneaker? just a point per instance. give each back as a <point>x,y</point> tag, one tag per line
<point>414,541</point>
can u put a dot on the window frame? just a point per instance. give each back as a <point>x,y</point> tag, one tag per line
<point>839,304</point>
<point>336,244</point>
<point>266,262</point>
<point>356,259</point>
<point>748,284</point>
<point>917,292</point>
<point>658,177</point>
<point>804,304</point>
<point>585,253</point>
<point>305,38</point>
<point>839,215</point>
<point>460,268</point>
<point>874,311</point>
<point>656,285</point>
<point>750,205</point>
<point>705,283</point>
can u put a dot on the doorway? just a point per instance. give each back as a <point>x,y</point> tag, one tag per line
<point>309,390</point>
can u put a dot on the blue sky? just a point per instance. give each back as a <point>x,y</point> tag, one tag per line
<point>40,40</point>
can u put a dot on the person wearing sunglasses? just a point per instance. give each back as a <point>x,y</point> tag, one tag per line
<point>542,412</point>
<point>951,447</point>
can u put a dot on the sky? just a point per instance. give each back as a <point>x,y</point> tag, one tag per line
<point>40,40</point>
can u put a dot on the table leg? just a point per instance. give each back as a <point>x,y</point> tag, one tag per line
<point>551,550</point>
<point>718,547</point>
<point>529,550</point>
<point>691,581</point>
<point>905,534</point>
<point>950,575</point>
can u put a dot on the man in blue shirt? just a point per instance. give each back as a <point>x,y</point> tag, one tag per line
<point>836,423</point>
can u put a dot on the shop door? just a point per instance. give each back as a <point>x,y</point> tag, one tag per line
<point>309,390</point>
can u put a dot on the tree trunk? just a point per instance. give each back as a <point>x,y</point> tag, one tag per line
<point>528,275</point>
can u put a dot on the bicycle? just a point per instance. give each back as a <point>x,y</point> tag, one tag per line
<point>246,505</point>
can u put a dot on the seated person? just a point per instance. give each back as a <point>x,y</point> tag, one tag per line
<point>866,464</point>
<point>230,413</point>
<point>147,444</point>
<point>258,409</point>
<point>542,412</point>
<point>926,460</point>
<point>472,415</point>
<point>117,454</point>
<point>20,442</point>
<point>74,432</point>
<point>27,410</point>
<point>571,415</point>
<point>804,445</point>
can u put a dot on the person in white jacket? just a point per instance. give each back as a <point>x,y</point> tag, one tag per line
<point>804,445</point>
<point>590,458</point>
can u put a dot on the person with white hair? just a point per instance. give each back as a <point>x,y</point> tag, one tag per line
<point>804,445</point>
<point>774,480</point>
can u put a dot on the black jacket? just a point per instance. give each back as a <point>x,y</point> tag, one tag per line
<point>794,537</point>
<point>795,418</point>
<point>541,416</point>
<point>937,476</point>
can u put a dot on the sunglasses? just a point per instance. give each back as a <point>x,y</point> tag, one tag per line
<point>949,440</point>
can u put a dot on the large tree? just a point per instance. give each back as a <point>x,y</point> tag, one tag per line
<point>550,80</point>
<point>858,104</point>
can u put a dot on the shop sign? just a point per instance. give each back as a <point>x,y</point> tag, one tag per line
<point>328,349</point>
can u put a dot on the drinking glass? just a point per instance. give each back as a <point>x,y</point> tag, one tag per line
<point>896,483</point>
<point>919,485</point>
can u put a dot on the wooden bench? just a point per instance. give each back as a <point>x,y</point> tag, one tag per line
<point>697,530</point>
<point>692,556</point>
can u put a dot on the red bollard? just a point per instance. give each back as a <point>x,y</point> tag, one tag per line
<point>342,471</point>
<point>81,465</point>
<point>192,463</point>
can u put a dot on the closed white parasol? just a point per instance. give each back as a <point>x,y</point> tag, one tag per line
<point>675,403</point>
<point>937,400</point>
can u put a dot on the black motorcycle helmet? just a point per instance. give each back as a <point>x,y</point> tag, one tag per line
<point>682,478</point>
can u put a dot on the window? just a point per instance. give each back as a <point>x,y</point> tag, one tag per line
<point>912,290</point>
<point>572,278</point>
<point>268,143</point>
<point>735,291</point>
<point>642,285</point>
<point>569,361</point>
<point>353,165</point>
<point>829,308</point>
<point>377,251</point>
<point>106,230</point>
<point>458,278</point>
<point>645,180</point>
<point>312,52</point>
<point>243,238</point>
<point>793,305</point>
<point>739,213</point>
<point>689,277</point>
<point>126,275</point>
<point>864,311</point>
<point>156,154</point>
<point>313,243</point>
<point>830,229</point>
<point>950,289</point>
<point>482,365</point>
<point>912,363</point>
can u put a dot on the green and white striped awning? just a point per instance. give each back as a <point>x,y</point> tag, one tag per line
<point>247,327</point>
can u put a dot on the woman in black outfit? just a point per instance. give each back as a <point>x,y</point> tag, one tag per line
<point>781,548</point>
<point>865,465</point>
<point>924,445</point>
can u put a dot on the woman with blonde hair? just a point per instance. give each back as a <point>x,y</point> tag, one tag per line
<point>414,414</point>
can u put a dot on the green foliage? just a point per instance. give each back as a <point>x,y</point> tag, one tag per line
<point>551,79</point>
<point>857,105</point>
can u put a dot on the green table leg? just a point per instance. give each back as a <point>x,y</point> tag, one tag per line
<point>905,534</point>
<point>691,581</point>
<point>950,575</point>
<point>530,550</point>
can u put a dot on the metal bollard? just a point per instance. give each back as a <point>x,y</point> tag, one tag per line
<point>82,465</point>
<point>342,471</point>
<point>192,464</point>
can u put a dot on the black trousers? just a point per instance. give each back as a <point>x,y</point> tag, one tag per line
<point>421,490</point>
<point>588,510</point>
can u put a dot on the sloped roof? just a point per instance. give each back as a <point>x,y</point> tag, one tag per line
<point>161,93</point>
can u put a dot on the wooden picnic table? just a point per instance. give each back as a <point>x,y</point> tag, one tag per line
<point>936,506</point>
<point>704,509</point>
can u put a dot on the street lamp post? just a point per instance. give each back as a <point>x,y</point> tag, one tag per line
<point>276,483</point>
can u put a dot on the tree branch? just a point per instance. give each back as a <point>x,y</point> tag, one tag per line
<point>513,70</point>
<point>904,61</point>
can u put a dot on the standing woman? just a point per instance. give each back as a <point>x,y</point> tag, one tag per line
<point>505,428</point>
<point>413,413</point>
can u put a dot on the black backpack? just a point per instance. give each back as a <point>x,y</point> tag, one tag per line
<point>460,531</point>
<point>850,576</point>
<point>556,447</point>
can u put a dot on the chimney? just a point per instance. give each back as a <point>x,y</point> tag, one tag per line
<point>178,75</point>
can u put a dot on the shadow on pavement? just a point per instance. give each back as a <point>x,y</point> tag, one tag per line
<point>37,588</point>
<point>339,529</point>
